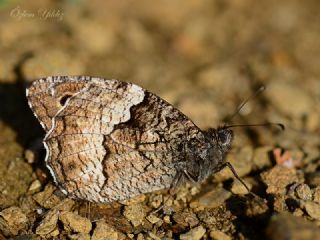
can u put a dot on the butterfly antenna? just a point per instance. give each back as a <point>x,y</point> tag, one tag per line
<point>280,125</point>
<point>260,90</point>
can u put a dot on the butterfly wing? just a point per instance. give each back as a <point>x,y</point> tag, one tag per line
<point>111,140</point>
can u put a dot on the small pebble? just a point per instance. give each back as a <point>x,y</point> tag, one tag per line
<point>29,155</point>
<point>212,199</point>
<point>79,236</point>
<point>65,205</point>
<point>131,201</point>
<point>103,231</point>
<point>186,219</point>
<point>35,186</point>
<point>155,200</point>
<point>303,192</point>
<point>312,208</point>
<point>48,225</point>
<point>153,236</point>
<point>257,206</point>
<point>46,198</point>
<point>279,203</point>
<point>195,190</point>
<point>140,237</point>
<point>135,214</point>
<point>130,235</point>
<point>182,194</point>
<point>74,222</point>
<point>166,219</point>
<point>194,234</point>
<point>153,219</point>
<point>215,217</point>
<point>219,235</point>
<point>54,233</point>
<point>278,178</point>
<point>13,221</point>
<point>298,212</point>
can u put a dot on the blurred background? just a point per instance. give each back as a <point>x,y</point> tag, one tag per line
<point>203,56</point>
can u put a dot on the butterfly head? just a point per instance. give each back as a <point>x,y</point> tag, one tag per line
<point>218,143</point>
<point>222,137</point>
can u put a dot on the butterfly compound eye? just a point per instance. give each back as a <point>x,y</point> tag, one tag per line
<point>225,136</point>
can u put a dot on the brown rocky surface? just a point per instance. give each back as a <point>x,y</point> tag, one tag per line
<point>205,57</point>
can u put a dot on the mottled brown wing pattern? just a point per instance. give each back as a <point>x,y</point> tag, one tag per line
<point>108,140</point>
<point>45,95</point>
<point>155,135</point>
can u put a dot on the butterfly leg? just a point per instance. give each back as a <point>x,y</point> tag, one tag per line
<point>258,200</point>
<point>177,179</point>
<point>227,164</point>
<point>190,177</point>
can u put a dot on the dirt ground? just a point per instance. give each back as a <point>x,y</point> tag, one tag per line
<point>205,57</point>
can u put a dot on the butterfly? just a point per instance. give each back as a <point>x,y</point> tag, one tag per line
<point>108,140</point>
